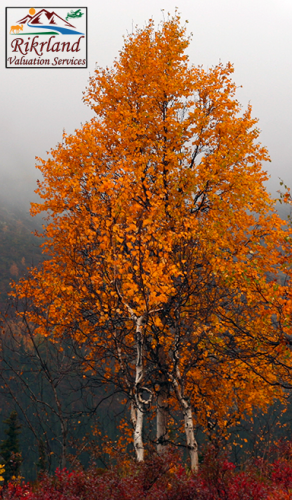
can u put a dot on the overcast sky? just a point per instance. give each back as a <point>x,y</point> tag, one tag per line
<point>255,35</point>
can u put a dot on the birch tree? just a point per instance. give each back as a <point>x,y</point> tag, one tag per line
<point>163,241</point>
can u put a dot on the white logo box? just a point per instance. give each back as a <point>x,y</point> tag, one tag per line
<point>46,37</point>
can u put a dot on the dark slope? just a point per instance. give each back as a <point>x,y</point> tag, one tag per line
<point>19,248</point>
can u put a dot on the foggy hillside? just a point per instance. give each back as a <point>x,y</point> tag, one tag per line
<point>19,248</point>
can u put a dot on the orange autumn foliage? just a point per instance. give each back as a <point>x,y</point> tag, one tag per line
<point>158,210</point>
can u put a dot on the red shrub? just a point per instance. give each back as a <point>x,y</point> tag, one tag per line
<point>164,478</point>
<point>282,474</point>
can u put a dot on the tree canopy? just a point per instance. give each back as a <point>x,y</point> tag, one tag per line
<point>165,247</point>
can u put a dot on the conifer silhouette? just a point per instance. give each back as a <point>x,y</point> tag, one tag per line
<point>9,448</point>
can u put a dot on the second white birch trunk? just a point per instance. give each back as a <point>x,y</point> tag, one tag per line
<point>190,438</point>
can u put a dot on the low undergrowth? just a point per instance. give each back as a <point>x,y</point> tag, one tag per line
<point>166,478</point>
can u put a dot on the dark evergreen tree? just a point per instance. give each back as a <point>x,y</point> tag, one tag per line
<point>9,448</point>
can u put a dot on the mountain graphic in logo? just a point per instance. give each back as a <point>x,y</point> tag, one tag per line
<point>49,21</point>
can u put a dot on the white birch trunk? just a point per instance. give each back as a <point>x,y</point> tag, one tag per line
<point>190,438</point>
<point>138,440</point>
<point>189,425</point>
<point>133,414</point>
<point>137,404</point>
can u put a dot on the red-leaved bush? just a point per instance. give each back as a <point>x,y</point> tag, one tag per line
<point>165,478</point>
